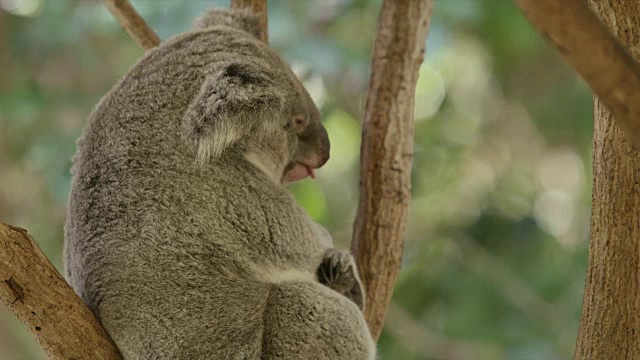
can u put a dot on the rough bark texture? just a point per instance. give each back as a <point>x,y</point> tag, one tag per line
<point>133,23</point>
<point>259,7</point>
<point>610,323</point>
<point>32,288</point>
<point>387,149</point>
<point>593,51</point>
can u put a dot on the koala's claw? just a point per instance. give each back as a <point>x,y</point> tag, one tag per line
<point>338,272</point>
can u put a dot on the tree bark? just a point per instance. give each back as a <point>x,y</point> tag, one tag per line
<point>259,8</point>
<point>387,150</point>
<point>32,288</point>
<point>610,322</point>
<point>133,23</point>
<point>587,44</point>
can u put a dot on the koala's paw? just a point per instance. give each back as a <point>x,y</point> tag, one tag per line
<point>338,272</point>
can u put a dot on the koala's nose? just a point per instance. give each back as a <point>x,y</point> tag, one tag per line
<point>323,157</point>
<point>324,146</point>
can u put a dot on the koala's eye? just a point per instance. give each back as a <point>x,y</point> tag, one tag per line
<point>299,122</point>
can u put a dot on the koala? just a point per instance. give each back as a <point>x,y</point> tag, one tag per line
<point>180,234</point>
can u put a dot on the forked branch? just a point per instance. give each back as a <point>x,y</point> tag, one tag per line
<point>587,45</point>
<point>386,152</point>
<point>133,23</point>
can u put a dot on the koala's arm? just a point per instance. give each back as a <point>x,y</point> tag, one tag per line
<point>338,270</point>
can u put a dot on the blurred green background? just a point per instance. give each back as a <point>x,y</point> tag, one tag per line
<point>496,246</point>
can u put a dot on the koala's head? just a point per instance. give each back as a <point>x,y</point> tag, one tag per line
<point>252,101</point>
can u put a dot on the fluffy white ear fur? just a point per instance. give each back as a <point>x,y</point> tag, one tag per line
<point>266,166</point>
<point>228,130</point>
<point>226,110</point>
<point>212,145</point>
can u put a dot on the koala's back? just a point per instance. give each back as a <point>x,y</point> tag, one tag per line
<point>163,251</point>
<point>178,260</point>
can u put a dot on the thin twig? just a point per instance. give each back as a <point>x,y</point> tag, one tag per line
<point>518,293</point>
<point>586,44</point>
<point>133,23</point>
<point>430,344</point>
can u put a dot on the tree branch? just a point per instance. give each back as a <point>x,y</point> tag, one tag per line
<point>32,288</point>
<point>387,149</point>
<point>586,44</point>
<point>610,318</point>
<point>133,23</point>
<point>259,8</point>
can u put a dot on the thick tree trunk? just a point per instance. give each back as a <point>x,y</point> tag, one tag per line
<point>387,150</point>
<point>32,288</point>
<point>610,323</point>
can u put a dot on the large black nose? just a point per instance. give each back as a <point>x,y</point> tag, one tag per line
<point>324,146</point>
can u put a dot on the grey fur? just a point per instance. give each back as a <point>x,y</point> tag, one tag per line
<point>239,19</point>
<point>208,259</point>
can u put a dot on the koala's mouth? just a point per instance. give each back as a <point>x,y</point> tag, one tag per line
<point>299,171</point>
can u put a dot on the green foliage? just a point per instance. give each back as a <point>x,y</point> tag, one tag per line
<point>496,243</point>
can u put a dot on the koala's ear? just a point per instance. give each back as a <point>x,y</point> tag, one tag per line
<point>242,19</point>
<point>233,102</point>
